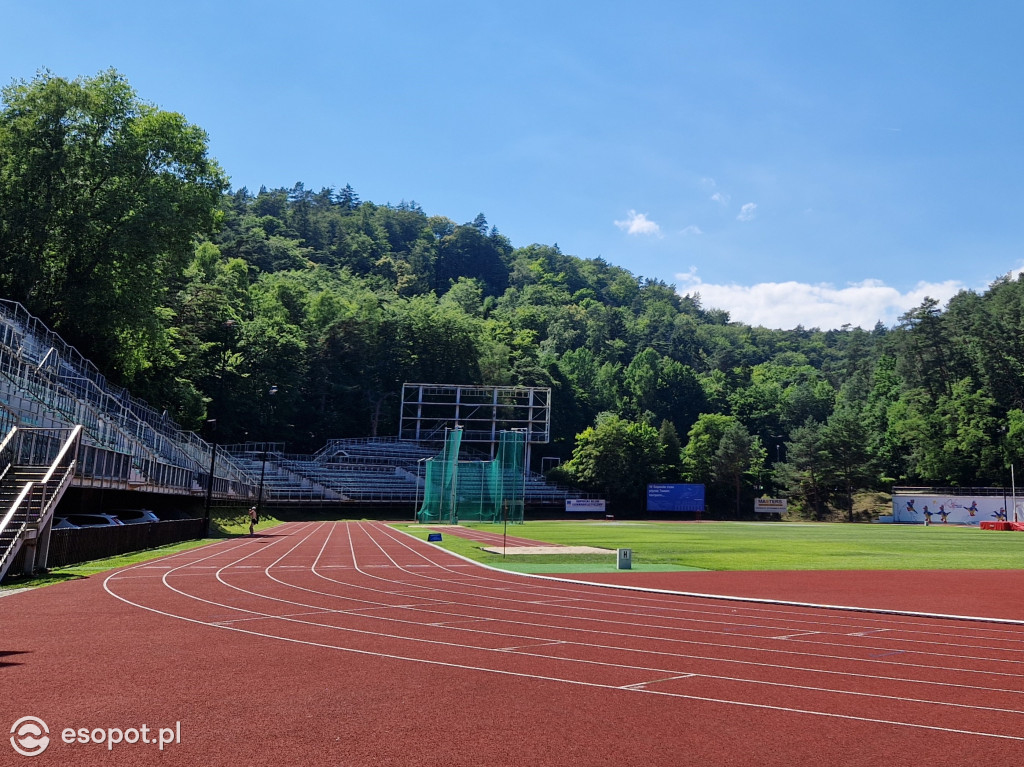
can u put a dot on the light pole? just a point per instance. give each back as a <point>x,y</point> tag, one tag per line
<point>212,423</point>
<point>263,467</point>
<point>420,471</point>
<point>259,493</point>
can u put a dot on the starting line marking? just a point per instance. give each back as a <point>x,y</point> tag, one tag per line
<point>528,646</point>
<point>643,685</point>
<point>802,634</point>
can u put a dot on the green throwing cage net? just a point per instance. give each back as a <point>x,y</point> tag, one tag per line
<point>439,502</point>
<point>480,491</point>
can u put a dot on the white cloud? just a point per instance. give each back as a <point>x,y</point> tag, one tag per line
<point>638,223</point>
<point>693,229</point>
<point>788,304</point>
<point>747,212</point>
<point>721,197</point>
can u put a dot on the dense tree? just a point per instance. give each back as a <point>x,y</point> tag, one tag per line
<point>671,453</point>
<point>617,458</point>
<point>849,459</point>
<point>738,462</point>
<point>101,199</point>
<point>805,474</point>
<point>115,227</point>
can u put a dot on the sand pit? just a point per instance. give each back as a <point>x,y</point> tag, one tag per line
<point>513,550</point>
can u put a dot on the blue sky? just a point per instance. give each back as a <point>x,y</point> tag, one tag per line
<point>794,162</point>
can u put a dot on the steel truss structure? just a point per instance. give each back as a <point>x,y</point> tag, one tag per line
<point>483,412</point>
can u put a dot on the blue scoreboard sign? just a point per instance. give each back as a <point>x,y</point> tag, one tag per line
<point>675,497</point>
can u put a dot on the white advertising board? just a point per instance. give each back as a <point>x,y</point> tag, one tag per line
<point>584,504</point>
<point>948,510</point>
<point>770,505</point>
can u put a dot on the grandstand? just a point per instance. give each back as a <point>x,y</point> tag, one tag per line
<point>384,470</point>
<point>64,426</point>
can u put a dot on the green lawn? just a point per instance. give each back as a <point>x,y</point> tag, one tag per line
<point>226,524</point>
<point>756,546</point>
<point>660,546</point>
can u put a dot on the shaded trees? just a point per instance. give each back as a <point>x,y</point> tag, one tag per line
<point>101,199</point>
<point>617,458</point>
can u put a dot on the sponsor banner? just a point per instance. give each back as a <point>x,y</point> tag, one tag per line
<point>770,505</point>
<point>950,510</point>
<point>675,497</point>
<point>585,504</point>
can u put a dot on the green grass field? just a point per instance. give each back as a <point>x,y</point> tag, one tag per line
<point>754,546</point>
<point>669,546</point>
<point>225,524</point>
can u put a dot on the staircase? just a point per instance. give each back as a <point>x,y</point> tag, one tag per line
<point>36,467</point>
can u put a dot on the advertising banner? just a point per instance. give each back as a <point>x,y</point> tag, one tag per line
<point>675,497</point>
<point>948,510</point>
<point>585,504</point>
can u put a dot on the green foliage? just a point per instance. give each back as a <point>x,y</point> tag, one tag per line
<point>805,475</point>
<point>115,228</point>
<point>617,458</point>
<point>101,199</point>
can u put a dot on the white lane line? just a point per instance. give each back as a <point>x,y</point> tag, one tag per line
<point>451,644</point>
<point>579,683</point>
<point>718,659</point>
<point>803,634</point>
<point>446,624</point>
<point>903,626</point>
<point>263,618</point>
<point>999,661</point>
<point>710,658</point>
<point>643,685</point>
<point>520,648</point>
<point>721,597</point>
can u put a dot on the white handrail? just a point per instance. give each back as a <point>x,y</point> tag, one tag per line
<point>72,439</point>
<point>14,506</point>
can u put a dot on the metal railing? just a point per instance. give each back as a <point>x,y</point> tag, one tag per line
<point>953,491</point>
<point>49,383</point>
<point>36,499</point>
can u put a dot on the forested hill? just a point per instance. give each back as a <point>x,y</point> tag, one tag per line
<point>121,233</point>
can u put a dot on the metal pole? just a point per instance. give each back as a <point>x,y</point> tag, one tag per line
<point>209,485</point>
<point>259,493</point>
<point>526,468</point>
<point>419,470</point>
<point>1013,491</point>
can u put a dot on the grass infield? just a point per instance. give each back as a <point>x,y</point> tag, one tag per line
<point>225,525</point>
<point>752,546</point>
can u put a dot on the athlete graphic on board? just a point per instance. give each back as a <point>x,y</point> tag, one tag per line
<point>1000,515</point>
<point>973,508</point>
<point>943,514</point>
<point>927,515</point>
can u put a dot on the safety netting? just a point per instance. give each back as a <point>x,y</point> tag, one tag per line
<point>479,491</point>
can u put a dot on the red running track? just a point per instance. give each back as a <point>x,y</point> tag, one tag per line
<point>355,644</point>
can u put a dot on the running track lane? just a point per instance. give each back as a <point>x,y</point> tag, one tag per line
<point>356,644</point>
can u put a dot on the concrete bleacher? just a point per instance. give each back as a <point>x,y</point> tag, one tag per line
<point>388,469</point>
